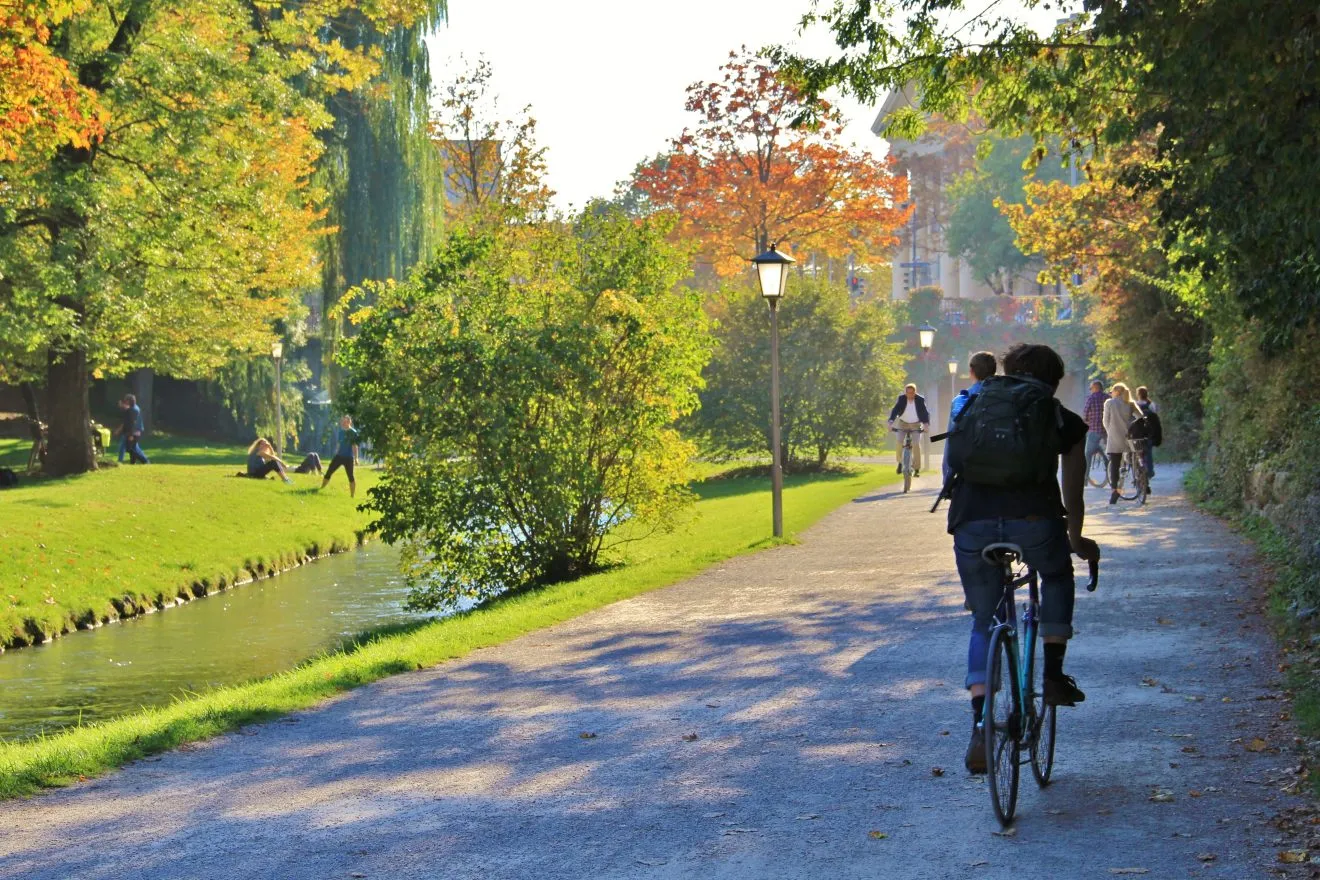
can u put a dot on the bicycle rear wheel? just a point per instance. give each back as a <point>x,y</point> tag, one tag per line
<point>1001,725</point>
<point>907,469</point>
<point>1129,479</point>
<point>1042,743</point>
<point>1097,470</point>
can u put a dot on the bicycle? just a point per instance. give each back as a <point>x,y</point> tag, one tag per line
<point>907,455</point>
<point>1016,717</point>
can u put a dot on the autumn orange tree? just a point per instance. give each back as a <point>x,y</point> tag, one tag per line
<point>1103,239</point>
<point>744,177</point>
<point>166,220</point>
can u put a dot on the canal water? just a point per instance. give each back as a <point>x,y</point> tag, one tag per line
<point>244,633</point>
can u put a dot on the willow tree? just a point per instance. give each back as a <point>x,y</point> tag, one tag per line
<point>380,169</point>
<point>177,236</point>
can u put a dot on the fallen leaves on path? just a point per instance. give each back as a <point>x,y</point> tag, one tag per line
<point>1206,857</point>
<point>936,771</point>
<point>1005,832</point>
<point>690,737</point>
<point>1129,870</point>
<point>877,835</point>
<point>1162,796</point>
<point>586,734</point>
<point>1256,745</point>
<point>1293,856</point>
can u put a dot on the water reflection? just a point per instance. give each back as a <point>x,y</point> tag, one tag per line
<point>254,630</point>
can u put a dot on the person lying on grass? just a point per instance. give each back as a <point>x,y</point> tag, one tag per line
<point>262,459</point>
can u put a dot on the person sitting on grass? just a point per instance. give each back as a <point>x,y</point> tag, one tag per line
<point>261,460</point>
<point>345,456</point>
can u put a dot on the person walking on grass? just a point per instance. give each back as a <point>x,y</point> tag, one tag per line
<point>130,431</point>
<point>262,460</point>
<point>346,455</point>
<point>909,414</point>
<point>1005,453</point>
<point>1119,413</point>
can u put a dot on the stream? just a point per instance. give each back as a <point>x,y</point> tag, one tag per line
<point>251,631</point>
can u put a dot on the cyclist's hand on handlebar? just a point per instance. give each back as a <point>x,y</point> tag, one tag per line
<point>1085,548</point>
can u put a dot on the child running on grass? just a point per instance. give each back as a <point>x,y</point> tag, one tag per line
<point>345,456</point>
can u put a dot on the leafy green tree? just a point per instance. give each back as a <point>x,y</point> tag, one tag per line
<point>977,229</point>
<point>838,372</point>
<point>522,388</point>
<point>174,239</point>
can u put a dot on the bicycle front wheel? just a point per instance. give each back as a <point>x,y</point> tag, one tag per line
<point>1042,743</point>
<point>1002,721</point>
<point>907,469</point>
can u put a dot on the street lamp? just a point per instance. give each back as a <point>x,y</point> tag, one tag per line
<point>772,273</point>
<point>953,383</point>
<point>926,336</point>
<point>277,352</point>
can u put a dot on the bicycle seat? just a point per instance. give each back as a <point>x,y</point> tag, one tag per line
<point>1001,553</point>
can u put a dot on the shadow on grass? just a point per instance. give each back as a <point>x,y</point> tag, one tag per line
<point>746,481</point>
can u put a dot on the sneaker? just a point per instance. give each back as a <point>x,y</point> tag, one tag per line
<point>1113,498</point>
<point>916,473</point>
<point>975,759</point>
<point>1063,692</point>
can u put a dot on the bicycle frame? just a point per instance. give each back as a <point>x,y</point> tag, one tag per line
<point>1023,644</point>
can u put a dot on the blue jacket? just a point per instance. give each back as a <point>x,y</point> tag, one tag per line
<point>956,407</point>
<point>923,415</point>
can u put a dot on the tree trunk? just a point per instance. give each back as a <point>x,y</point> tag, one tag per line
<point>70,443</point>
<point>143,381</point>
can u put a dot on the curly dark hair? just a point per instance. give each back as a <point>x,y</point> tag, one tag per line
<point>1037,361</point>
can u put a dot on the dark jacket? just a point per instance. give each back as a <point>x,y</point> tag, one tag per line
<point>923,415</point>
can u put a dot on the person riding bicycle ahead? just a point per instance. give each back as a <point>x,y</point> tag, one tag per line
<point>911,415</point>
<point>1004,453</point>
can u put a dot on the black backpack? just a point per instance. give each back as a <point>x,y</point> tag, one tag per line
<point>8,479</point>
<point>1139,427</point>
<point>1008,435</point>
<point>1156,428</point>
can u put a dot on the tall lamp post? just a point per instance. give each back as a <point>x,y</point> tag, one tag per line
<point>772,273</point>
<point>277,352</point>
<point>953,383</point>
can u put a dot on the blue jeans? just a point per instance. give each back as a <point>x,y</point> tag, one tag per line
<point>123,447</point>
<point>1044,544</point>
<point>1095,442</point>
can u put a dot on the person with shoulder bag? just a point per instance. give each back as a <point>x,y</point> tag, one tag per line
<point>1155,430</point>
<point>1118,417</point>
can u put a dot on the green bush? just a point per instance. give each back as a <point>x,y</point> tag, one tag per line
<point>521,389</point>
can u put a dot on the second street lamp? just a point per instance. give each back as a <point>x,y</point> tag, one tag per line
<point>277,352</point>
<point>772,274</point>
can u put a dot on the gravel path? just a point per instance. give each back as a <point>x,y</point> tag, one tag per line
<point>769,718</point>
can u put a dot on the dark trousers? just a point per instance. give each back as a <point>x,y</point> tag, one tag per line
<point>1115,464</point>
<point>265,468</point>
<point>344,461</point>
<point>134,450</point>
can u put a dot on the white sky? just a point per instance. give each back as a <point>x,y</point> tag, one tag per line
<point>606,79</point>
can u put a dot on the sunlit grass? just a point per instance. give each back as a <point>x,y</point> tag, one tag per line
<point>732,517</point>
<point>85,548</point>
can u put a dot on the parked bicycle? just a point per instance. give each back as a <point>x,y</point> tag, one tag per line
<point>907,455</point>
<point>1017,722</point>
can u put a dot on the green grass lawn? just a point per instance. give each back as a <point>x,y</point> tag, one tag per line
<point>89,547</point>
<point>731,517</point>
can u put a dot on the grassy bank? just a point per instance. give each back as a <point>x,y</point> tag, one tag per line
<point>732,517</point>
<point>86,549</point>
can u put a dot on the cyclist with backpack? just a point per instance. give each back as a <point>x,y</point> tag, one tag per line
<point>1004,453</point>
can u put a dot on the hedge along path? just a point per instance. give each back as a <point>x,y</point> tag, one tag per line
<point>732,518</point>
<point>86,550</point>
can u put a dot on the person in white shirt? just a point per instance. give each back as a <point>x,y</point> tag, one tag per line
<point>909,414</point>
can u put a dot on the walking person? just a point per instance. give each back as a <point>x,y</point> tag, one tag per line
<point>1118,413</point>
<point>130,431</point>
<point>346,455</point>
<point>1151,410</point>
<point>909,414</point>
<point>1094,414</point>
<point>262,460</point>
<point>1005,456</point>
